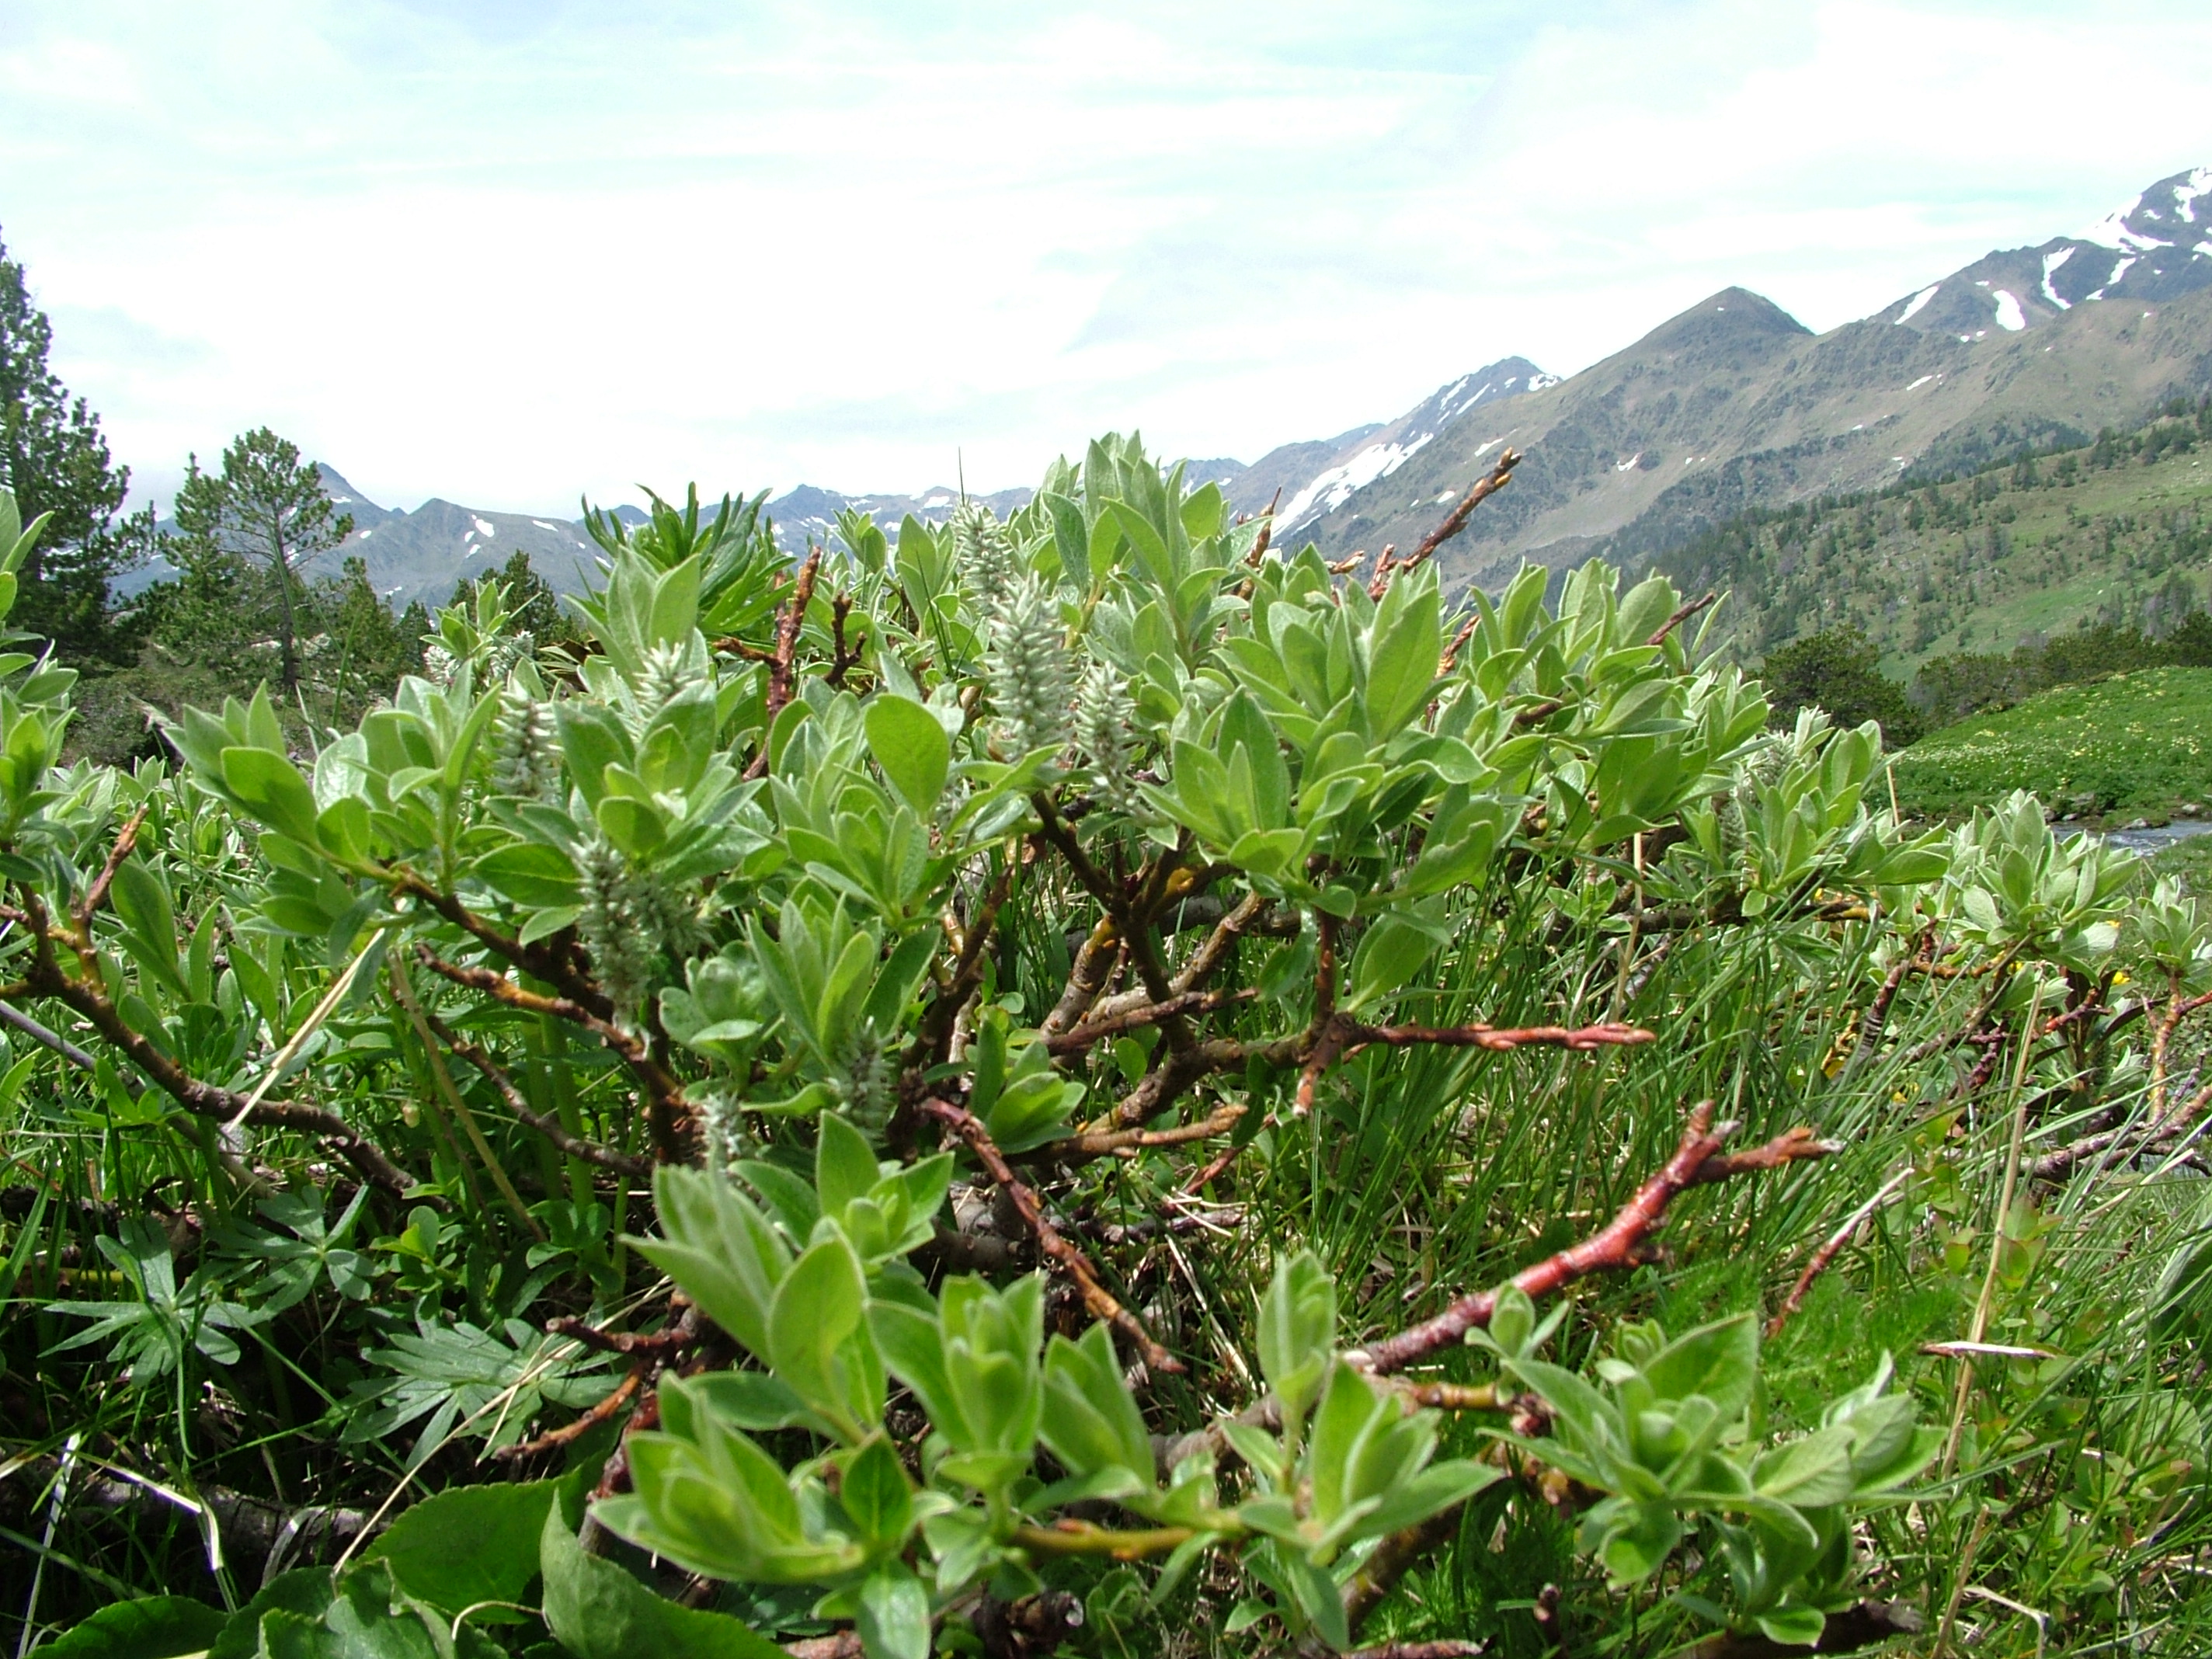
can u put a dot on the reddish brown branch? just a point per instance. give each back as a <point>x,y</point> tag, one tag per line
<point>1450,658</point>
<point>669,1113</point>
<point>1106,1143</point>
<point>1151,1013</point>
<point>1267,530</point>
<point>1206,960</point>
<point>1659,635</point>
<point>589,1418</point>
<point>842,659</point>
<point>674,1337</point>
<point>1086,980</point>
<point>1070,1260</point>
<point>539,960</point>
<point>1580,1039</point>
<point>552,1128</point>
<point>1696,1161</point>
<point>96,894</point>
<point>90,1002</point>
<point>1828,1251</point>
<point>783,671</point>
<point>1455,520</point>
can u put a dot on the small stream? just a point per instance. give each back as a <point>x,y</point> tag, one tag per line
<point>2147,841</point>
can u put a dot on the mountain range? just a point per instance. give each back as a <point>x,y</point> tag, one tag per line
<point>1731,404</point>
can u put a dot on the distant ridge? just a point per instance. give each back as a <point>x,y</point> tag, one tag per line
<point>1733,403</point>
<point>1730,404</point>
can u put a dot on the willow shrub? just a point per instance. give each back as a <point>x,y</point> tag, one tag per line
<point>758,844</point>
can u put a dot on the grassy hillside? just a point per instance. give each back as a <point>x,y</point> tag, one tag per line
<point>2118,531</point>
<point>2133,743</point>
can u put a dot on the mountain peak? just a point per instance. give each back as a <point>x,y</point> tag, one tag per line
<point>2157,246</point>
<point>1730,318</point>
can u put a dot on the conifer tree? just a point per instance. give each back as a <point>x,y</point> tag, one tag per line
<point>267,506</point>
<point>54,456</point>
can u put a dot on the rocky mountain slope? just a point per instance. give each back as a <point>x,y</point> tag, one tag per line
<point>1733,403</point>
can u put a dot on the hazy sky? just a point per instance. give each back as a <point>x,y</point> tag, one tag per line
<point>511,250</point>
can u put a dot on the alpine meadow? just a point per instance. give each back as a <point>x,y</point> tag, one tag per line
<point>1123,1070</point>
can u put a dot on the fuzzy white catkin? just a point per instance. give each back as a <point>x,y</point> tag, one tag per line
<point>663,677</point>
<point>1104,717</point>
<point>1026,662</point>
<point>526,753</point>
<point>983,554</point>
<point>611,929</point>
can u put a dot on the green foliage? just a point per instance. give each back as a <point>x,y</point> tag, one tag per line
<point>260,520</point>
<point>1838,670</point>
<point>2091,553</point>
<point>2131,744</point>
<point>1010,1094</point>
<point>1667,1438</point>
<point>55,461</point>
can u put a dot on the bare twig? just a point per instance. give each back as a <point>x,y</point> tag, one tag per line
<point>88,998</point>
<point>1150,1013</point>
<point>1579,1039</point>
<point>552,1128</point>
<point>842,659</point>
<point>1696,1161</point>
<point>1094,964</point>
<point>96,894</point>
<point>1070,1260</point>
<point>669,1112</point>
<point>589,1418</point>
<point>1455,520</point>
<point>1829,1249</point>
<point>1658,635</point>
<point>782,673</point>
<point>1108,1143</point>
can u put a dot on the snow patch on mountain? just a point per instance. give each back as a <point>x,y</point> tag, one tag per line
<point>1917,303</point>
<point>2051,263</point>
<point>1332,488</point>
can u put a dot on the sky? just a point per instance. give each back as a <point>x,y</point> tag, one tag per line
<point>515,251</point>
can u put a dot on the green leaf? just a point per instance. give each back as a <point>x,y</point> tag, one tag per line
<point>1091,1419</point>
<point>1390,953</point>
<point>1719,1361</point>
<point>1407,642</point>
<point>531,873</point>
<point>911,747</point>
<point>721,1248</point>
<point>597,1611</point>
<point>159,1627</point>
<point>894,1616</point>
<point>1633,1539</point>
<point>306,1590</point>
<point>591,740</point>
<point>818,1342</point>
<point>876,1495</point>
<point>271,787</point>
<point>844,1165</point>
<point>1810,1472</point>
<point>636,826</point>
<point>468,1545</point>
<point>1297,1331</point>
<point>1796,1627</point>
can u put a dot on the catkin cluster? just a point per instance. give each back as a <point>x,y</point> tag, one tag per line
<point>526,747</point>
<point>1105,721</point>
<point>1026,663</point>
<point>663,677</point>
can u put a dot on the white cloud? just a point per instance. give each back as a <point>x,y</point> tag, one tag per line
<point>508,253</point>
